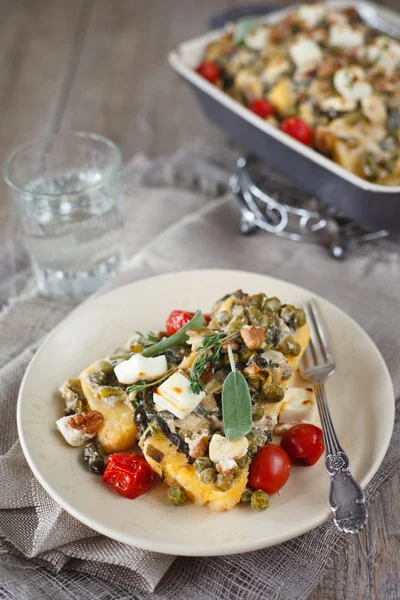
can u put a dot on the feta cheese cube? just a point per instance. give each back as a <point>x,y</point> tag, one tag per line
<point>351,83</point>
<point>176,396</point>
<point>342,35</point>
<point>298,405</point>
<point>139,367</point>
<point>220,448</point>
<point>74,437</point>
<point>304,50</point>
<point>312,14</point>
<point>384,53</point>
<point>257,39</point>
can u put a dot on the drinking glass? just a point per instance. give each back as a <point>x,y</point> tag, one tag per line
<point>66,189</point>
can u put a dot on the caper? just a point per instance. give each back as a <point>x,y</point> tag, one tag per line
<point>246,495</point>
<point>94,456</point>
<point>273,304</point>
<point>258,300</point>
<point>222,317</point>
<point>104,367</point>
<point>176,495</point>
<point>242,462</point>
<point>300,316</point>
<point>353,118</point>
<point>259,500</point>
<point>256,380</point>
<point>202,463</point>
<point>272,392</point>
<point>255,315</point>
<point>258,412</point>
<point>237,323</point>
<point>257,438</point>
<point>98,377</point>
<point>290,346</point>
<point>246,354</point>
<point>266,319</point>
<point>288,314</point>
<point>208,475</point>
<point>223,482</point>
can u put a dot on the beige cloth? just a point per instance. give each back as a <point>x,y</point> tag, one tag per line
<point>187,223</point>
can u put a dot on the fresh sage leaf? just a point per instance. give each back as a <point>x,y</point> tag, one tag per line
<point>236,404</point>
<point>177,339</point>
<point>243,27</point>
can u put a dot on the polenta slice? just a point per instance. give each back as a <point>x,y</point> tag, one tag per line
<point>118,431</point>
<point>177,471</point>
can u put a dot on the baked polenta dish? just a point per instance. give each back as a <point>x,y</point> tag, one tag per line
<point>324,77</point>
<point>213,405</point>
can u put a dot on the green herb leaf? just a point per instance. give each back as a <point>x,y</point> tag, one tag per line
<point>236,404</point>
<point>243,27</point>
<point>177,339</point>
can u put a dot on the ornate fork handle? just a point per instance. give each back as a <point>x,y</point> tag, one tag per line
<point>346,498</point>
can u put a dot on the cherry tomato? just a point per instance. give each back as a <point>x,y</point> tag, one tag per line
<point>262,108</point>
<point>209,70</point>
<point>178,318</point>
<point>303,443</point>
<point>129,474</point>
<point>297,129</point>
<point>270,469</point>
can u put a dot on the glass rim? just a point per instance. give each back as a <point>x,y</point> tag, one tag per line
<point>52,136</point>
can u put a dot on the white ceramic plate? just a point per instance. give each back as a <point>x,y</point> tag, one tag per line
<point>360,396</point>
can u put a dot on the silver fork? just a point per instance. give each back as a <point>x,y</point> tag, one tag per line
<point>346,498</point>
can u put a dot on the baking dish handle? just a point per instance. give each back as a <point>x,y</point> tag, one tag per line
<point>235,14</point>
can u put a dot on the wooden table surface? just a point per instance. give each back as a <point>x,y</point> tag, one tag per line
<point>100,65</point>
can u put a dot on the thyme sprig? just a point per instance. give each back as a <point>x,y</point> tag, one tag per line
<point>141,385</point>
<point>208,352</point>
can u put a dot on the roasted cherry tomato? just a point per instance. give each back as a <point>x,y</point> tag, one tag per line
<point>209,70</point>
<point>178,318</point>
<point>298,129</point>
<point>129,474</point>
<point>270,469</point>
<point>262,108</point>
<point>303,443</point>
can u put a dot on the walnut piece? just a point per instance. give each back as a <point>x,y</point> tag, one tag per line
<point>226,466</point>
<point>253,336</point>
<point>198,445</point>
<point>89,422</point>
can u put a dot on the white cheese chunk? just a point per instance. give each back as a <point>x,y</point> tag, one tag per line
<point>337,104</point>
<point>374,109</point>
<point>277,67</point>
<point>176,396</point>
<point>312,14</point>
<point>350,82</point>
<point>304,50</point>
<point>257,39</point>
<point>342,35</point>
<point>139,367</point>
<point>74,437</point>
<point>298,405</point>
<point>384,53</point>
<point>221,448</point>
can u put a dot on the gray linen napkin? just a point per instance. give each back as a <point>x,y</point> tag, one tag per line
<point>169,229</point>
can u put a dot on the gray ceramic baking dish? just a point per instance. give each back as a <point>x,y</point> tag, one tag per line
<point>372,205</point>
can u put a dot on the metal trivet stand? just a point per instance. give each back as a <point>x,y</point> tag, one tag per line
<point>269,201</point>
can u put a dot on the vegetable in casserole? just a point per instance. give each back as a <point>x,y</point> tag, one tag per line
<point>324,77</point>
